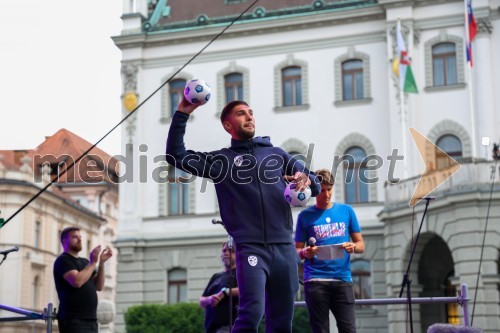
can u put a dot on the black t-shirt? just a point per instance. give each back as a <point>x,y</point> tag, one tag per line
<point>219,316</point>
<point>74,302</point>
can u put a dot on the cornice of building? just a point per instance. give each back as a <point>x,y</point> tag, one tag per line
<point>261,12</point>
<point>246,28</point>
<point>33,189</point>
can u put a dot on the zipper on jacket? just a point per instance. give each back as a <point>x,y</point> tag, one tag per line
<point>260,191</point>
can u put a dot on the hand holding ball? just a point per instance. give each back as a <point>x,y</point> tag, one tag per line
<point>297,198</point>
<point>197,91</point>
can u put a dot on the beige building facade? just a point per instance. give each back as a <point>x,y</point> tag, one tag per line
<point>26,278</point>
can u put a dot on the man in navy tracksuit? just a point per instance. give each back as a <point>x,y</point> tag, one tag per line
<point>249,179</point>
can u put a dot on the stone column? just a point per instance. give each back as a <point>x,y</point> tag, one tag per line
<point>484,96</point>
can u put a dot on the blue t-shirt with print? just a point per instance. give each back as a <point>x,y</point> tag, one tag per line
<point>328,226</point>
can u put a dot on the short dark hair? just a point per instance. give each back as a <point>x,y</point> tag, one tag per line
<point>66,232</point>
<point>228,108</point>
<point>325,177</point>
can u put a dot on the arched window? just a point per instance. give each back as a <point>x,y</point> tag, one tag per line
<point>444,62</point>
<point>361,278</point>
<point>452,146</point>
<point>356,185</point>
<point>177,286</point>
<point>178,192</point>
<point>233,84</point>
<point>291,78</point>
<point>352,80</point>
<point>176,91</point>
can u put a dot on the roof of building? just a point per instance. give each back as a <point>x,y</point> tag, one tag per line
<point>178,14</point>
<point>65,147</point>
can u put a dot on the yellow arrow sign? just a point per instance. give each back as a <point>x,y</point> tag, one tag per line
<point>439,166</point>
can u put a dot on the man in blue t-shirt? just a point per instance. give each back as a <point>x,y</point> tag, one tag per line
<point>328,282</point>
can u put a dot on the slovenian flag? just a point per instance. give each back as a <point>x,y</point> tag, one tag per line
<point>472,28</point>
<point>402,64</point>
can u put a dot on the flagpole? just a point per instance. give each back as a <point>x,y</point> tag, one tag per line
<point>403,118</point>
<point>403,132</point>
<point>469,78</point>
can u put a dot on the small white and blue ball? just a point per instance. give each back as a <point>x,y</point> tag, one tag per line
<point>296,198</point>
<point>197,91</point>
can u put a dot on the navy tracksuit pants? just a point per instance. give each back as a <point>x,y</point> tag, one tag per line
<point>267,281</point>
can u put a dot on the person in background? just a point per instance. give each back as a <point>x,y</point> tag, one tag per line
<point>215,297</point>
<point>328,283</point>
<point>77,280</point>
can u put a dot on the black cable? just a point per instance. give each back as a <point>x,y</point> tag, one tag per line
<point>408,324</point>
<point>53,180</point>
<point>493,174</point>
<point>231,276</point>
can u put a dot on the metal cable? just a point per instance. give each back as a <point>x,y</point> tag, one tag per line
<point>53,180</point>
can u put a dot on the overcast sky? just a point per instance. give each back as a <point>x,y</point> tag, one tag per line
<point>59,68</point>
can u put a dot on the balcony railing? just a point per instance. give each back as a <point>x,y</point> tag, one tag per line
<point>471,177</point>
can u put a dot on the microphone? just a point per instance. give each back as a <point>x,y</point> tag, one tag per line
<point>6,252</point>
<point>215,221</point>
<point>311,242</point>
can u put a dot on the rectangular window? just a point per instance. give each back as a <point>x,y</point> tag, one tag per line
<point>233,86</point>
<point>176,92</point>
<point>178,192</point>
<point>291,78</point>
<point>352,80</point>
<point>38,232</point>
<point>177,286</point>
<point>444,64</point>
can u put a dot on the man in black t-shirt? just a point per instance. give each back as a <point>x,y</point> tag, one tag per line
<point>77,280</point>
<point>215,298</point>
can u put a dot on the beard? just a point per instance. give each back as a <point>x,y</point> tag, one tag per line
<point>76,247</point>
<point>246,134</point>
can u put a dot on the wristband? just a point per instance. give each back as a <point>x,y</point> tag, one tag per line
<point>225,291</point>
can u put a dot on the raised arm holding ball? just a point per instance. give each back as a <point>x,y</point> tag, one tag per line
<point>250,178</point>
